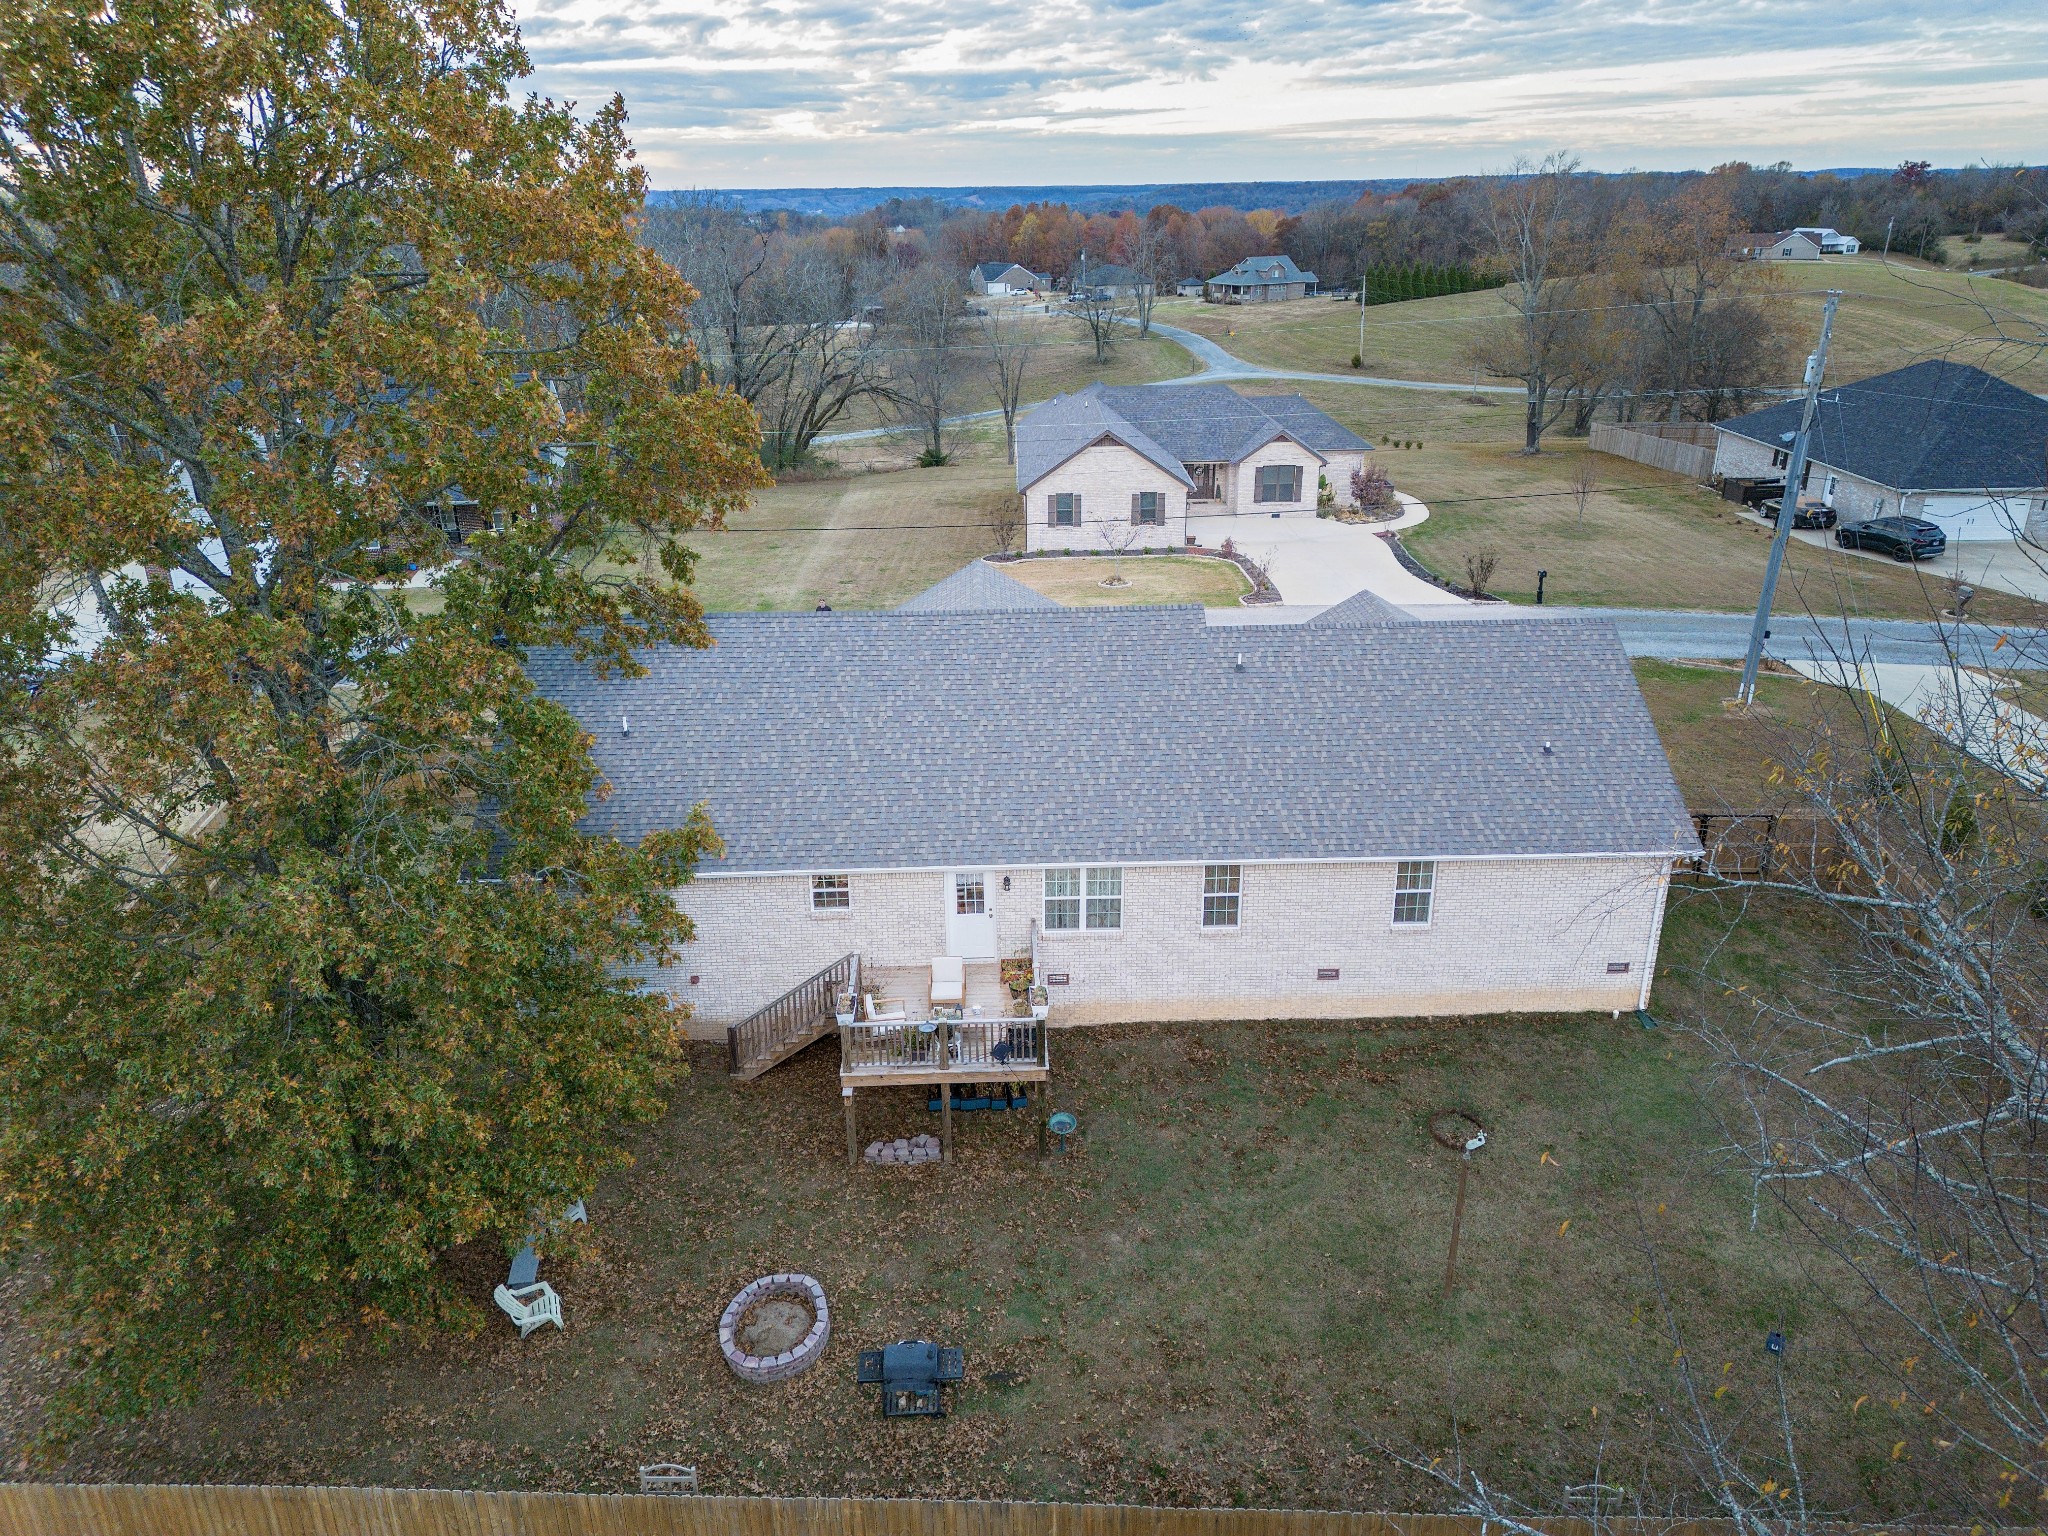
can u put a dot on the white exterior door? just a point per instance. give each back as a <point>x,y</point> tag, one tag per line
<point>970,926</point>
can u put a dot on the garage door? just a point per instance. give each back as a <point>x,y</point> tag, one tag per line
<point>1973,517</point>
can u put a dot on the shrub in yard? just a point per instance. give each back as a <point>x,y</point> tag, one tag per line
<point>932,458</point>
<point>1357,361</point>
<point>1372,488</point>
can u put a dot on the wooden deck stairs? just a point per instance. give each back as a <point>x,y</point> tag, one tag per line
<point>804,1014</point>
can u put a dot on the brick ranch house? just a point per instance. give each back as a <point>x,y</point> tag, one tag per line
<point>1156,454</point>
<point>1938,440</point>
<point>1163,819</point>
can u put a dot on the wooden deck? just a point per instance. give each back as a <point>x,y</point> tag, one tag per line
<point>970,1050</point>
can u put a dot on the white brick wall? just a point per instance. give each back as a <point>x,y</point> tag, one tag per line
<point>1105,478</point>
<point>1245,483</point>
<point>1508,935</point>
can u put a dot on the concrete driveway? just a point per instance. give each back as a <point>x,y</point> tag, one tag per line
<point>2004,565</point>
<point>1318,561</point>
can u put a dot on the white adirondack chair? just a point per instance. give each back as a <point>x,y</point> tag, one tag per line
<point>886,1010</point>
<point>949,981</point>
<point>530,1306</point>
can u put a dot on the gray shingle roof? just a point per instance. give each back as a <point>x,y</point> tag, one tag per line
<point>1263,271</point>
<point>835,741</point>
<point>1172,425</point>
<point>1363,608</point>
<point>1936,426</point>
<point>976,587</point>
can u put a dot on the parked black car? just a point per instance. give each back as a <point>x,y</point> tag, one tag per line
<point>1808,516</point>
<point>1903,538</point>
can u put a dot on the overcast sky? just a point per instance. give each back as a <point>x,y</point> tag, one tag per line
<point>956,92</point>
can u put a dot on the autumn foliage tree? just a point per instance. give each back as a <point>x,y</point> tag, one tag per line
<point>307,973</point>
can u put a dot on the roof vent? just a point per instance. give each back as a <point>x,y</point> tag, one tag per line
<point>1547,750</point>
<point>1240,661</point>
<point>626,726</point>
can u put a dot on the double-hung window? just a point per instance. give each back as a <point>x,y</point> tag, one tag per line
<point>1084,898</point>
<point>1221,890</point>
<point>1105,898</point>
<point>1062,899</point>
<point>831,893</point>
<point>1148,507</point>
<point>1414,888</point>
<point>1063,509</point>
<point>1278,482</point>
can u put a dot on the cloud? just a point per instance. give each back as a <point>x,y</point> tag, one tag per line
<point>811,92</point>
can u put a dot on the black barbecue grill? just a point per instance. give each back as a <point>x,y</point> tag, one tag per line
<point>910,1373</point>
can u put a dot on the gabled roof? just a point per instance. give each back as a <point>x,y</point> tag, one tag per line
<point>1180,424</point>
<point>1050,434</point>
<point>1110,275</point>
<point>839,741</point>
<point>977,587</point>
<point>1936,426</point>
<point>1363,608</point>
<point>1259,271</point>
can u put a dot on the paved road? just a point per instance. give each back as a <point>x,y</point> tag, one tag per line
<point>1218,365</point>
<point>1677,635</point>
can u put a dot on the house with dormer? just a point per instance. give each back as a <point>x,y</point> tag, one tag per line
<point>1261,280</point>
<point>1093,463</point>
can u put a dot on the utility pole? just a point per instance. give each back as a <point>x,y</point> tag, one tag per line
<point>1361,317</point>
<point>1788,504</point>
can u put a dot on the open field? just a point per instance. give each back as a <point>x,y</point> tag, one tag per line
<point>861,540</point>
<point>1647,539</point>
<point>1891,315</point>
<point>1064,361</point>
<point>1151,579</point>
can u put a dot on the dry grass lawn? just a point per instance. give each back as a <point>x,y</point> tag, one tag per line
<point>1891,315</point>
<point>1149,579</point>
<point>864,539</point>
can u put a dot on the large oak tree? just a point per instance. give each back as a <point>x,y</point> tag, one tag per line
<point>307,972</point>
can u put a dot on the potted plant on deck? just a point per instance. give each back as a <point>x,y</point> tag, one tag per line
<point>1041,1003</point>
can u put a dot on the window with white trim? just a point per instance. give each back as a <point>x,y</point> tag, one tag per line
<point>1063,509</point>
<point>831,893</point>
<point>1105,898</point>
<point>970,898</point>
<point>1414,886</point>
<point>1278,482</point>
<point>1062,899</point>
<point>1222,888</point>
<point>1148,507</point>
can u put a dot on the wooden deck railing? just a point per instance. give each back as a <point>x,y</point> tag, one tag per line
<point>942,1045</point>
<point>799,1013</point>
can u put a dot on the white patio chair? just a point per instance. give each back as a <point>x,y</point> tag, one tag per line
<point>887,1010</point>
<point>949,980</point>
<point>530,1306</point>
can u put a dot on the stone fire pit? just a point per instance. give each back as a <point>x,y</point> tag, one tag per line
<point>775,1328</point>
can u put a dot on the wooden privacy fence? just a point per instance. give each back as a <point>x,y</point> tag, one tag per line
<point>79,1509</point>
<point>1682,447</point>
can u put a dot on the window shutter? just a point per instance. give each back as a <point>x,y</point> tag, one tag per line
<point>1052,511</point>
<point>1137,506</point>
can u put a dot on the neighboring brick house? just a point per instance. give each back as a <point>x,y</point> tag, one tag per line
<point>1939,440</point>
<point>1351,817</point>
<point>1107,280</point>
<point>1780,245</point>
<point>1156,454</point>
<point>1261,280</point>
